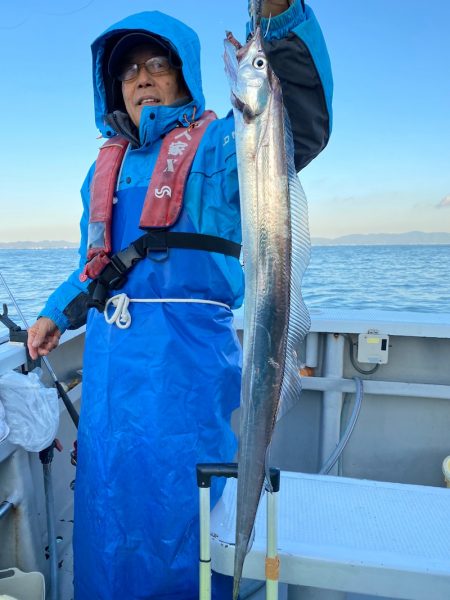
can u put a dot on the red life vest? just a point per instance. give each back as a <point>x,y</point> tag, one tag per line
<point>164,197</point>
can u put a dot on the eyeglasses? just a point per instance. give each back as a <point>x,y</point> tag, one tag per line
<point>157,65</point>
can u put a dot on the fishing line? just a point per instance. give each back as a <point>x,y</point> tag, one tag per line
<point>48,14</point>
<point>65,13</point>
<point>268,26</point>
<point>11,27</point>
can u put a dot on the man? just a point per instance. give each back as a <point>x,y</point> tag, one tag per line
<point>161,373</point>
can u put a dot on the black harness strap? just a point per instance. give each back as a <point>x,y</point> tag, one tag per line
<point>115,274</point>
<point>162,240</point>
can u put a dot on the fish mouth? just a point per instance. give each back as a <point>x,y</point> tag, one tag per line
<point>233,41</point>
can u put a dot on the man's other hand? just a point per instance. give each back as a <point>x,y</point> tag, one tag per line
<point>43,336</point>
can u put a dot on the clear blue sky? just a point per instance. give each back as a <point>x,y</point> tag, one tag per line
<point>386,169</point>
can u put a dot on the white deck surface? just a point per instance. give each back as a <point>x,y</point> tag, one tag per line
<point>351,535</point>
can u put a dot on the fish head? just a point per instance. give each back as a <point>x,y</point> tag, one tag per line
<point>250,75</point>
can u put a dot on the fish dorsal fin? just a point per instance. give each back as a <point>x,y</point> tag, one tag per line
<point>299,320</point>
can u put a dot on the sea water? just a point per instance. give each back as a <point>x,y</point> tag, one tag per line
<point>403,278</point>
<point>398,278</point>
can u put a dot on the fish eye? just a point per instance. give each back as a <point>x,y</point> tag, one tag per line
<point>259,62</point>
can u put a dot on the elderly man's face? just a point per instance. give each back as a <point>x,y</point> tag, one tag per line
<point>148,89</point>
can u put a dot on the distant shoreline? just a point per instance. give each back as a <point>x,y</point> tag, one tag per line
<point>58,245</point>
<point>409,238</point>
<point>348,244</point>
<point>313,244</point>
<point>74,247</point>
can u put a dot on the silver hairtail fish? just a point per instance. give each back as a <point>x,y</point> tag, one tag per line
<point>276,253</point>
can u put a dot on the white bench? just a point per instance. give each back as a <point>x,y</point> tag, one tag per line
<point>346,534</point>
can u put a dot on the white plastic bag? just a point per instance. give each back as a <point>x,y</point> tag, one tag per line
<point>32,411</point>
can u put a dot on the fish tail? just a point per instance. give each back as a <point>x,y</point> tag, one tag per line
<point>235,590</point>
<point>240,553</point>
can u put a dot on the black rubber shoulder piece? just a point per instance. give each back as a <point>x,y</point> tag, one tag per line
<point>76,311</point>
<point>303,96</point>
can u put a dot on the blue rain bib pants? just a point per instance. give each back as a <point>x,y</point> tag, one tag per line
<point>157,399</point>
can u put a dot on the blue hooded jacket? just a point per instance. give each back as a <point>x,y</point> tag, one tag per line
<point>297,51</point>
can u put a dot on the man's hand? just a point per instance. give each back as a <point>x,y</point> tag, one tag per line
<point>43,336</point>
<point>274,7</point>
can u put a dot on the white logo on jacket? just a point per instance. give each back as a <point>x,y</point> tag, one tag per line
<point>177,148</point>
<point>164,191</point>
<point>170,165</point>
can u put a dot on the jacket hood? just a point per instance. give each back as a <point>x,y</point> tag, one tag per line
<point>183,40</point>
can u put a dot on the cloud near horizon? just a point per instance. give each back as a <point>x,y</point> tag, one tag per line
<point>444,203</point>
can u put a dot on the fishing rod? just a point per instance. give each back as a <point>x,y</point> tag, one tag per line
<point>61,391</point>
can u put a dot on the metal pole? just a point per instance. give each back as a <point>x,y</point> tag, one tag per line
<point>51,532</point>
<point>377,387</point>
<point>272,560</point>
<point>205,550</point>
<point>332,399</point>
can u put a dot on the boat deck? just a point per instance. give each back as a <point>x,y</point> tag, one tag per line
<point>358,536</point>
<point>353,537</point>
